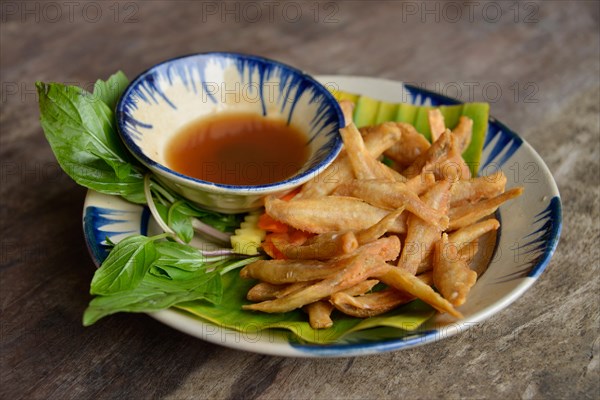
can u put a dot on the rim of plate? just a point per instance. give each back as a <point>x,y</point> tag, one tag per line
<point>373,87</point>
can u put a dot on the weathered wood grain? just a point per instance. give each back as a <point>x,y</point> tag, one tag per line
<point>545,60</point>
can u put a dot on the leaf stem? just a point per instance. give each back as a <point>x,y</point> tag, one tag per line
<point>239,264</point>
<point>218,252</point>
<point>163,191</point>
<point>211,232</point>
<point>160,198</point>
<point>166,228</point>
<point>161,236</point>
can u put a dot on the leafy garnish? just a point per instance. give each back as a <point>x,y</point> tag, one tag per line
<point>125,266</point>
<point>110,91</point>
<point>140,273</point>
<point>171,273</point>
<point>181,256</point>
<point>156,293</point>
<point>81,131</point>
<point>180,222</point>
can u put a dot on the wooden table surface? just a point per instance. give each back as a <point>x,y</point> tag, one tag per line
<point>537,63</point>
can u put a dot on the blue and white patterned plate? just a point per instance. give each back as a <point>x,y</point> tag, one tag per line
<point>529,234</point>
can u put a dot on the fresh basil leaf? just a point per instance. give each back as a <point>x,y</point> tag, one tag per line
<point>180,222</point>
<point>196,281</point>
<point>125,266</point>
<point>163,211</point>
<point>81,132</point>
<point>84,121</point>
<point>222,222</point>
<point>110,91</point>
<point>193,211</point>
<point>108,242</point>
<point>156,293</point>
<point>158,271</point>
<point>177,274</point>
<point>179,256</point>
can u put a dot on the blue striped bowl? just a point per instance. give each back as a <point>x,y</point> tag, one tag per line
<point>160,101</point>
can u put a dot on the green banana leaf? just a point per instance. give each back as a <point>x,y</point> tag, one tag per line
<point>229,314</point>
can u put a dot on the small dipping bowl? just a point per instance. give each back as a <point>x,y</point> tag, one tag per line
<point>174,93</point>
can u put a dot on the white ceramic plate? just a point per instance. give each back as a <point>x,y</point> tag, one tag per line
<point>527,239</point>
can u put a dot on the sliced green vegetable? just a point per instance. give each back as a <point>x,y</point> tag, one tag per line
<point>347,96</point>
<point>365,112</point>
<point>451,114</point>
<point>479,113</point>
<point>422,121</point>
<point>406,113</point>
<point>370,111</point>
<point>386,112</point>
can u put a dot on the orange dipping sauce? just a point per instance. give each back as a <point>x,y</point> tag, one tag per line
<point>238,149</point>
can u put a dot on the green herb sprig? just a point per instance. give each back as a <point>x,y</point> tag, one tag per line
<point>141,273</point>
